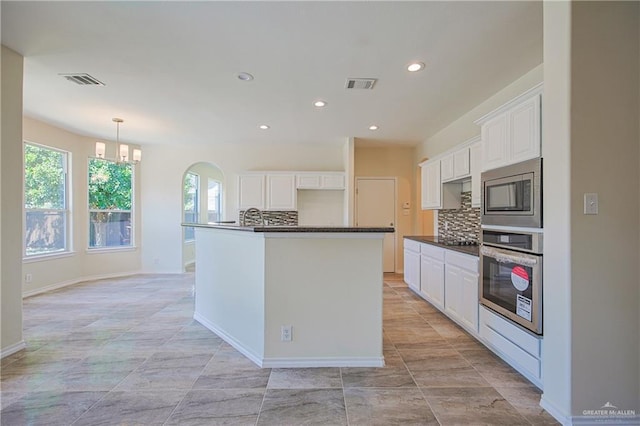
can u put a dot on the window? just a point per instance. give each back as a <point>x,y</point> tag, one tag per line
<point>214,203</point>
<point>190,197</point>
<point>110,202</point>
<point>45,200</point>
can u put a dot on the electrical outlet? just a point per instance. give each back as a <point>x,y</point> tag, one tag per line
<point>285,333</point>
<point>28,278</point>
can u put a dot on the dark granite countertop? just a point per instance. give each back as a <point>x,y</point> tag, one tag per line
<point>328,229</point>
<point>434,240</point>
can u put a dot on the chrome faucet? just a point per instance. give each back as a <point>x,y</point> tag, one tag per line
<point>252,211</point>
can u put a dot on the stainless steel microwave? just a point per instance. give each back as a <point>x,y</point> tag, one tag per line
<point>512,195</point>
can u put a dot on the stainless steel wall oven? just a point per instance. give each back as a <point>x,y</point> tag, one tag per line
<point>511,275</point>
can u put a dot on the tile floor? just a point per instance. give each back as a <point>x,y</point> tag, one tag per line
<point>127,351</point>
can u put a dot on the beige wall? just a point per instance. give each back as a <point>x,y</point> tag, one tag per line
<point>11,202</point>
<point>398,162</point>
<point>604,291</point>
<point>591,138</point>
<point>80,264</point>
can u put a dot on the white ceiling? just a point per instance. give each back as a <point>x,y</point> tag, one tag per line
<point>170,67</point>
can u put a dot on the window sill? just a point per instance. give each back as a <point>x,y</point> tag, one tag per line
<point>103,250</point>
<point>45,257</point>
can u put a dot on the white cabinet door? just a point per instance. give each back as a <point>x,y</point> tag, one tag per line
<point>251,192</point>
<point>447,168</point>
<point>432,281</point>
<point>476,169</point>
<point>336,181</point>
<point>524,130</point>
<point>305,181</point>
<point>412,269</point>
<point>494,137</point>
<point>452,291</point>
<point>431,185</point>
<point>461,163</point>
<point>468,308</point>
<point>281,192</point>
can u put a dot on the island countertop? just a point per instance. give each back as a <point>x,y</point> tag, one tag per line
<point>263,228</point>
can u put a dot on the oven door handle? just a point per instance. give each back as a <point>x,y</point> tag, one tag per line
<point>505,256</point>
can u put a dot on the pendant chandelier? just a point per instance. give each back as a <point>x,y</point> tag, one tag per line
<point>122,150</point>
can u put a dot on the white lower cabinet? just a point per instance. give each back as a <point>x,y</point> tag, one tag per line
<point>461,290</point>
<point>432,275</point>
<point>412,264</point>
<point>521,349</point>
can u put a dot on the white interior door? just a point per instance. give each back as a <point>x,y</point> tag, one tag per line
<point>376,206</point>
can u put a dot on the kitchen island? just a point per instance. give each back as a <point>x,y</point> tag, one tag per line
<point>293,296</point>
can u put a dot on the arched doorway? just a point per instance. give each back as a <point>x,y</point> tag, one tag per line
<point>202,202</point>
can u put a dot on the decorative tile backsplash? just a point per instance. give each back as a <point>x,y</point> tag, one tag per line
<point>271,217</point>
<point>462,223</point>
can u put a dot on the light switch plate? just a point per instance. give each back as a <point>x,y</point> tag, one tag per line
<point>591,203</point>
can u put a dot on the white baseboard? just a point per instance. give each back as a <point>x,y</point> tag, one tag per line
<point>322,362</point>
<point>57,286</point>
<point>555,412</point>
<point>13,349</point>
<point>604,420</point>
<point>257,359</point>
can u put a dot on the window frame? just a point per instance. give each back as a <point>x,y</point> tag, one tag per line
<point>196,204</point>
<point>219,198</point>
<point>132,212</point>
<point>67,211</point>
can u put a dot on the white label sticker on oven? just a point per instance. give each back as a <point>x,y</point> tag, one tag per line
<point>523,307</point>
<point>519,278</point>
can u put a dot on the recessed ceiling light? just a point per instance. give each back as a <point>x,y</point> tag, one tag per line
<point>320,103</point>
<point>373,127</point>
<point>264,127</point>
<point>415,66</point>
<point>245,76</point>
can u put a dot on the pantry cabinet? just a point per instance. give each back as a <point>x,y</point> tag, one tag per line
<point>511,133</point>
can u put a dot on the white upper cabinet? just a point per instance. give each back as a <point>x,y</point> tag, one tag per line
<point>281,192</point>
<point>251,191</point>
<point>311,180</point>
<point>455,165</point>
<point>446,168</point>
<point>475,153</point>
<point>524,127</point>
<point>434,194</point>
<point>511,133</point>
<point>461,163</point>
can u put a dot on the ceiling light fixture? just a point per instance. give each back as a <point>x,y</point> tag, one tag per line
<point>319,103</point>
<point>373,127</point>
<point>415,66</point>
<point>245,76</point>
<point>122,150</point>
<point>264,127</point>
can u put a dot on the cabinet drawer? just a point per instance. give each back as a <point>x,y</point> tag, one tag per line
<point>525,361</point>
<point>463,261</point>
<point>411,245</point>
<point>432,251</point>
<point>520,338</point>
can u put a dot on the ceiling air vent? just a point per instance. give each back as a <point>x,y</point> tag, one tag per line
<point>83,79</point>
<point>360,83</point>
